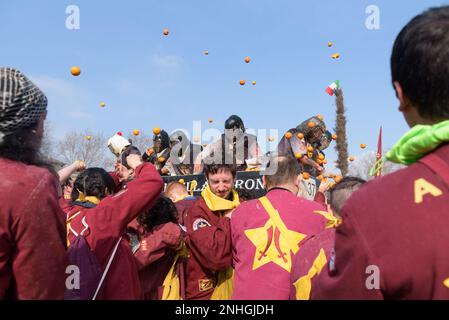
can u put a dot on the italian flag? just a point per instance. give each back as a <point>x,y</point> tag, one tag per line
<point>332,87</point>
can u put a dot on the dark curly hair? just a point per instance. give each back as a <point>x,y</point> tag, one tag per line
<point>163,211</point>
<point>93,182</point>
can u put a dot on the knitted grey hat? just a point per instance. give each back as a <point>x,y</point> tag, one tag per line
<point>21,102</point>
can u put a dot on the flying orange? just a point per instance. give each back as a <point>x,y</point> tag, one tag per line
<point>298,155</point>
<point>75,71</point>
<point>156,130</point>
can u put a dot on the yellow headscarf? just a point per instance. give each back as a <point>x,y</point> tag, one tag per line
<point>215,203</point>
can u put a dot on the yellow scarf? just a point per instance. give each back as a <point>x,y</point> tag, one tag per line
<point>215,203</point>
<point>332,221</point>
<point>83,198</point>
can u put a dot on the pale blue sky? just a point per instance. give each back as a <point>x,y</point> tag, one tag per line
<point>150,80</point>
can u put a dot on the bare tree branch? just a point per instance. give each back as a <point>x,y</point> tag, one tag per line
<point>75,146</point>
<point>362,165</point>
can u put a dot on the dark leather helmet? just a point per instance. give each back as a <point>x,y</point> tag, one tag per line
<point>234,121</point>
<point>163,138</point>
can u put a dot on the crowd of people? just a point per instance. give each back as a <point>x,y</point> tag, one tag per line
<point>124,235</point>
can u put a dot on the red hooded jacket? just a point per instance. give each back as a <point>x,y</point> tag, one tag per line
<point>107,222</point>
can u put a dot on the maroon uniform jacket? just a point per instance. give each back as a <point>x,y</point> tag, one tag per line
<point>155,257</point>
<point>107,222</point>
<point>208,241</point>
<point>306,260</point>
<point>256,278</point>
<point>32,234</point>
<point>394,229</point>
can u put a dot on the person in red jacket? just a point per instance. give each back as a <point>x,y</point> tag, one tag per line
<point>392,243</point>
<point>266,240</point>
<point>318,250</point>
<point>157,247</point>
<point>208,238</point>
<point>103,220</point>
<point>32,231</point>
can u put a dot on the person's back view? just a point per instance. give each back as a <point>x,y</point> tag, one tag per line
<point>267,234</point>
<point>32,232</point>
<point>392,243</point>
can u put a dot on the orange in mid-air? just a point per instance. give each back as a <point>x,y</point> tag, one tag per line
<point>320,117</point>
<point>206,52</point>
<point>136,132</point>
<point>334,137</point>
<point>242,82</point>
<point>306,175</point>
<point>103,104</point>
<point>335,56</point>
<point>337,179</point>
<point>88,138</point>
<point>351,158</point>
<point>165,32</point>
<point>310,149</point>
<point>300,135</point>
<point>288,135</point>
<point>311,124</point>
<point>75,71</point>
<point>161,159</point>
<point>330,44</point>
<point>363,146</point>
<point>321,156</point>
<point>254,83</point>
<point>210,120</point>
<point>247,59</point>
<point>156,130</point>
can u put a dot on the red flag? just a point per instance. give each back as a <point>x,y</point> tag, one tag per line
<point>379,155</point>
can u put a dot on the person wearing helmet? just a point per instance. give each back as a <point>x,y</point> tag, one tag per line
<point>313,137</point>
<point>160,152</point>
<point>234,147</point>
<point>182,155</point>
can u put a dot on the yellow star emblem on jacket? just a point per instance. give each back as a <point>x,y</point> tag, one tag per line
<point>273,246</point>
<point>274,242</point>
